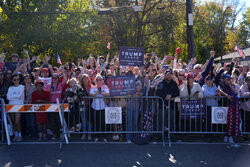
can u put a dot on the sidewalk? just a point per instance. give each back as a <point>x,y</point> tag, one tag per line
<point>120,155</point>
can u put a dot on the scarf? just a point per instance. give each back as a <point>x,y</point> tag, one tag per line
<point>233,114</point>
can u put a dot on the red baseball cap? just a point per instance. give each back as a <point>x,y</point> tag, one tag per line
<point>39,82</point>
<point>45,70</point>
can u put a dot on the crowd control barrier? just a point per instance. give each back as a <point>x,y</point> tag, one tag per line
<point>30,108</point>
<point>136,118</point>
<point>204,115</point>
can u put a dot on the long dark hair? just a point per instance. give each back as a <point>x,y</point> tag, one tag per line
<point>13,76</point>
<point>28,75</point>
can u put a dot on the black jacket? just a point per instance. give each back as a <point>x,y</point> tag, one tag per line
<point>165,88</point>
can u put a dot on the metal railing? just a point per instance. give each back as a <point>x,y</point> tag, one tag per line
<point>144,117</point>
<point>102,117</point>
<point>203,115</point>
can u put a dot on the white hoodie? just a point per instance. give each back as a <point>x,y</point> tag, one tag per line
<point>196,88</point>
<point>15,94</point>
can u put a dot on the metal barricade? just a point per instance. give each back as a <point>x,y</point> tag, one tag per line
<point>245,114</point>
<point>30,108</point>
<point>104,117</point>
<point>199,115</point>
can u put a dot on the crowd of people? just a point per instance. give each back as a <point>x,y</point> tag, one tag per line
<point>30,80</point>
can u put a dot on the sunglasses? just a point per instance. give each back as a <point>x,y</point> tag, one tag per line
<point>182,75</point>
<point>198,68</point>
<point>9,73</point>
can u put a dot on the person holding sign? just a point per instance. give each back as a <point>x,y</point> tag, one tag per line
<point>191,89</point>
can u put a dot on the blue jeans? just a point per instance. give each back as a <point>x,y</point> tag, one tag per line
<point>132,115</point>
<point>31,123</point>
<point>85,123</point>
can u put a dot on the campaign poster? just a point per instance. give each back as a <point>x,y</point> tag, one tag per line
<point>131,56</point>
<point>219,115</point>
<point>121,85</point>
<point>193,109</point>
<point>113,115</point>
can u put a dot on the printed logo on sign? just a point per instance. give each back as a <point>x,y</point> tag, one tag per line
<point>219,115</point>
<point>36,107</point>
<point>121,85</point>
<point>113,115</point>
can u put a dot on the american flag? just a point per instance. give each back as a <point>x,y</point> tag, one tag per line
<point>239,50</point>
<point>58,59</point>
<point>108,45</point>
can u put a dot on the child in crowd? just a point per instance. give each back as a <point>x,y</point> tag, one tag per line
<point>40,96</point>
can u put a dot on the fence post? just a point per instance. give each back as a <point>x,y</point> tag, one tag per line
<point>169,124</point>
<point>5,123</point>
<point>2,123</point>
<point>62,122</point>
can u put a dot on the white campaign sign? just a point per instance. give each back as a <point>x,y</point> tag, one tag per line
<point>190,19</point>
<point>219,115</point>
<point>113,115</point>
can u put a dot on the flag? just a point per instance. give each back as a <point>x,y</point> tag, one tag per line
<point>58,59</point>
<point>108,45</point>
<point>178,51</point>
<point>239,50</point>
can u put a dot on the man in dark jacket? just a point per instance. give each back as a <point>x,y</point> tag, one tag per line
<point>168,89</point>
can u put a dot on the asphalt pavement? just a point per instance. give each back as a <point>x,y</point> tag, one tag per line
<point>119,155</point>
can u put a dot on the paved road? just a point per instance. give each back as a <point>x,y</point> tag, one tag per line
<point>120,155</point>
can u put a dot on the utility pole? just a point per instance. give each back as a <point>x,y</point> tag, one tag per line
<point>190,31</point>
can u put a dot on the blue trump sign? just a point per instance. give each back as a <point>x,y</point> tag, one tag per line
<point>131,56</point>
<point>193,109</point>
<point>121,85</point>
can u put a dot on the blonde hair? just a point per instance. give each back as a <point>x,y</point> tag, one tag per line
<point>73,79</point>
<point>98,76</point>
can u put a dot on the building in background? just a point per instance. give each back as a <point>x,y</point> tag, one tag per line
<point>228,57</point>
